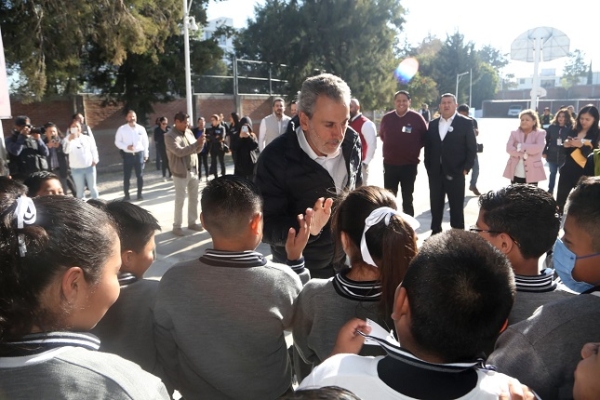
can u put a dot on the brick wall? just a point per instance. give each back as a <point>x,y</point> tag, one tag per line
<point>58,111</point>
<point>102,116</point>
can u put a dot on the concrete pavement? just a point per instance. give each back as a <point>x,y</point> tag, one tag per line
<point>170,249</point>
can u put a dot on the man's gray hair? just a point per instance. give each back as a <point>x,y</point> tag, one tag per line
<point>322,85</point>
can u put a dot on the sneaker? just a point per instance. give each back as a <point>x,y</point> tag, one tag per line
<point>178,232</point>
<point>126,198</point>
<point>474,190</point>
<point>140,197</point>
<point>196,227</point>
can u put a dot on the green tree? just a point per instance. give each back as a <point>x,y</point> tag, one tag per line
<point>574,70</point>
<point>354,39</point>
<point>422,89</point>
<point>130,50</point>
<point>485,86</point>
<point>493,57</point>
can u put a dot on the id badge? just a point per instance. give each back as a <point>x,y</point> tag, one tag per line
<point>407,129</point>
<point>559,142</point>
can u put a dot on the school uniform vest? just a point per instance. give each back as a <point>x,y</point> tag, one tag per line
<point>357,125</point>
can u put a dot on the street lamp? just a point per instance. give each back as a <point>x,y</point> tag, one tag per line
<point>458,80</point>
<point>189,23</point>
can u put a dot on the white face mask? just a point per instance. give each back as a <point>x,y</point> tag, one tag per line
<point>564,263</point>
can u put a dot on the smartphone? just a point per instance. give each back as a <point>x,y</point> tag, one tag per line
<point>245,129</point>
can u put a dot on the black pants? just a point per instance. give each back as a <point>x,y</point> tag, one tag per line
<point>440,186</point>
<point>567,180</point>
<point>405,175</point>
<point>162,162</point>
<point>516,179</point>
<point>203,157</point>
<point>131,162</point>
<point>213,162</point>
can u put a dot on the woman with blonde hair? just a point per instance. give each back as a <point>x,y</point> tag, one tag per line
<point>525,147</point>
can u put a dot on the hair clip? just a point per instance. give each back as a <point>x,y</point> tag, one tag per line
<point>25,214</point>
<point>376,216</point>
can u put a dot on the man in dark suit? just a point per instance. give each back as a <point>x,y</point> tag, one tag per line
<point>450,150</point>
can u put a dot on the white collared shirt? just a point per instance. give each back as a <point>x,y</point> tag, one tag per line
<point>444,125</point>
<point>333,163</point>
<point>136,136</point>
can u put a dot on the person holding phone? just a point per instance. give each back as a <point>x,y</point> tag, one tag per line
<point>246,151</point>
<point>27,151</point>
<point>581,141</point>
<point>83,158</point>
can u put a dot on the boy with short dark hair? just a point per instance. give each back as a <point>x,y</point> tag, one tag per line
<point>220,319</point>
<point>43,183</point>
<point>543,351</point>
<point>455,298</point>
<point>126,328</point>
<point>522,222</point>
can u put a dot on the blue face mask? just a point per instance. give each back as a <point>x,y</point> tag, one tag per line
<point>564,262</point>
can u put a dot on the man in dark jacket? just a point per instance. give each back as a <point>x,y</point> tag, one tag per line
<point>26,150</point>
<point>315,159</point>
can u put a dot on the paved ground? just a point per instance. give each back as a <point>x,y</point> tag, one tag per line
<point>159,195</point>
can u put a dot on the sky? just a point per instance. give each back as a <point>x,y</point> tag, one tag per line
<point>481,21</point>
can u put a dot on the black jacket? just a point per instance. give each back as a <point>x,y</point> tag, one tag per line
<point>456,153</point>
<point>553,151</point>
<point>290,182</point>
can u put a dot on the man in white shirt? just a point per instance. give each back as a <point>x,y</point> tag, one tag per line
<point>132,141</point>
<point>368,136</point>
<point>450,150</point>
<point>273,125</point>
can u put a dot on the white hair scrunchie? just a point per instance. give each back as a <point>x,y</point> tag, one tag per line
<point>25,213</point>
<point>376,216</point>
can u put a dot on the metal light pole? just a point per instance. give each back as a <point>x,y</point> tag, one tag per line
<point>458,80</point>
<point>188,71</point>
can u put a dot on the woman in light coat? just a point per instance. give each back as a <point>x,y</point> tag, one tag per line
<point>525,147</point>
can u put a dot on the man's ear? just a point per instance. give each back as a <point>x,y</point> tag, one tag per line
<point>72,284</point>
<point>202,220</point>
<point>255,223</point>
<point>345,241</point>
<point>401,304</point>
<point>126,258</point>
<point>507,243</point>
<point>304,119</point>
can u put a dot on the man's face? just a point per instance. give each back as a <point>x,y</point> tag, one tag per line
<point>580,242</point>
<point>326,129</point>
<point>546,112</point>
<point>401,103</point>
<point>25,129</point>
<point>131,118</point>
<point>448,107</point>
<point>80,118</point>
<point>353,109</point>
<point>294,109</point>
<point>182,125</point>
<point>214,122</point>
<point>201,123</point>
<point>494,239</point>
<point>278,108</point>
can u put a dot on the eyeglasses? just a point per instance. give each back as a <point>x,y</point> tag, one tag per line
<point>474,228</point>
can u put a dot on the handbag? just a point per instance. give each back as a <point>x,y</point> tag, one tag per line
<point>480,147</point>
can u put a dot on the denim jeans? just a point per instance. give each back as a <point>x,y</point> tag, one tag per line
<point>475,172</point>
<point>83,177</point>
<point>552,180</point>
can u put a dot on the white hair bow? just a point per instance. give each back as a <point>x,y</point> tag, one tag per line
<point>376,216</point>
<point>25,214</point>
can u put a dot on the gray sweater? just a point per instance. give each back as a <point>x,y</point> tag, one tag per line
<point>543,351</point>
<point>219,326</point>
<point>76,373</point>
<point>126,328</point>
<point>324,306</point>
